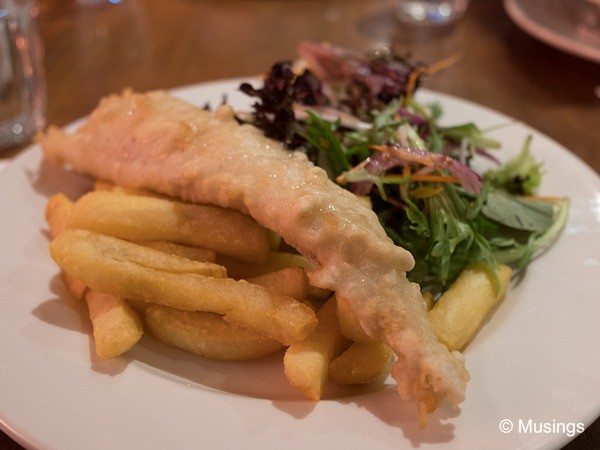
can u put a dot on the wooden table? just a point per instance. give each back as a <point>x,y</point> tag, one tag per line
<point>95,48</point>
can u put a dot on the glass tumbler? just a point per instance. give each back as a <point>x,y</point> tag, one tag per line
<point>430,12</point>
<point>22,82</point>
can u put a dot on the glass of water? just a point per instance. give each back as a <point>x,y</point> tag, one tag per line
<point>22,82</point>
<point>430,12</point>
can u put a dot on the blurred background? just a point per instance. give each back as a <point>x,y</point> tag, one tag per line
<point>97,47</point>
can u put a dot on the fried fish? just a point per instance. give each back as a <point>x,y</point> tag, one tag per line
<point>158,142</point>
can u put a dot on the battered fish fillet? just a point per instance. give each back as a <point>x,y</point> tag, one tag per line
<point>158,142</point>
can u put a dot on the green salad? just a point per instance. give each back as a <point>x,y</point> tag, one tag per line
<point>357,117</point>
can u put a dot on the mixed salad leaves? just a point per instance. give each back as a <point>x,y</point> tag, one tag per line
<point>357,117</point>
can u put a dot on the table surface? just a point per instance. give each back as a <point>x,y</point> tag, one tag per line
<point>97,47</point>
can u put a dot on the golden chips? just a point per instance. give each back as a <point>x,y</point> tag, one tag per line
<point>461,310</point>
<point>207,335</point>
<point>149,218</point>
<point>212,282</point>
<point>128,270</point>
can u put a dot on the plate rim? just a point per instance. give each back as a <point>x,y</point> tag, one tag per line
<point>27,153</point>
<point>544,34</point>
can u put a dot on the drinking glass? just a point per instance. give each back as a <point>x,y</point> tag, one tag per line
<point>430,12</point>
<point>22,83</point>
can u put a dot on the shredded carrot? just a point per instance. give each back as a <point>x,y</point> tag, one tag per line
<point>426,192</point>
<point>414,75</point>
<point>440,65</point>
<point>411,85</point>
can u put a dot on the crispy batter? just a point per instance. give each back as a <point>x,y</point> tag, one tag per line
<point>157,142</point>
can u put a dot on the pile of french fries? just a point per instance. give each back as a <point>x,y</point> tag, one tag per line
<point>215,283</point>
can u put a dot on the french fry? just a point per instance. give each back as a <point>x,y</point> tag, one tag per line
<point>75,287</point>
<point>117,328</point>
<point>276,260</point>
<point>151,218</point>
<point>103,185</point>
<point>460,311</point>
<point>114,251</point>
<point>118,267</point>
<point>139,306</point>
<point>207,335</point>
<point>361,363</point>
<point>290,281</point>
<point>429,300</point>
<point>58,209</point>
<point>185,251</point>
<point>306,363</point>
<point>348,323</point>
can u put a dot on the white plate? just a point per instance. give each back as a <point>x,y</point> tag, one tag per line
<point>537,359</point>
<point>555,23</point>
